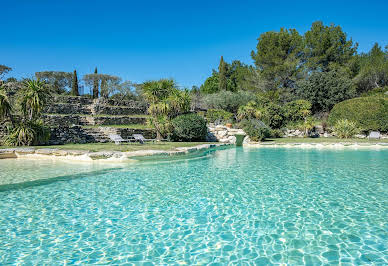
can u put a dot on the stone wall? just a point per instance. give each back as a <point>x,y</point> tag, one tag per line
<point>68,108</point>
<point>74,134</point>
<point>118,110</point>
<point>87,106</point>
<point>127,133</point>
<point>73,119</point>
<point>224,134</point>
<point>77,134</point>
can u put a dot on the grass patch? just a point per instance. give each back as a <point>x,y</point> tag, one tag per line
<point>324,140</point>
<point>94,147</point>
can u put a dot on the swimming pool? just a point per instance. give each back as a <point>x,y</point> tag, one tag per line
<point>260,206</point>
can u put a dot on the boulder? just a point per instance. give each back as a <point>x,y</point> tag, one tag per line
<point>374,135</point>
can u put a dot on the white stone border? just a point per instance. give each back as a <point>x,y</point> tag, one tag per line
<point>102,156</point>
<point>335,146</point>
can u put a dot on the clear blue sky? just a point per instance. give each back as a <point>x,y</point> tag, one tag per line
<point>142,40</point>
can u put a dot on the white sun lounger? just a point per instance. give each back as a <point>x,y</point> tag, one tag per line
<point>117,139</point>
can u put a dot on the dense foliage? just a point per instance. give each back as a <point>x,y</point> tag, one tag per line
<point>218,115</point>
<point>189,127</point>
<point>345,129</point>
<point>324,89</point>
<point>227,100</point>
<point>368,113</point>
<point>255,129</point>
<point>166,102</point>
<point>26,128</point>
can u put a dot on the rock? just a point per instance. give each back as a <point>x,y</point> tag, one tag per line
<point>232,139</point>
<point>46,151</point>
<point>319,129</point>
<point>76,152</point>
<point>360,136</point>
<point>220,127</point>
<point>100,155</point>
<point>374,135</point>
<point>222,133</point>
<point>224,140</point>
<point>7,153</point>
<point>24,150</point>
<point>247,139</point>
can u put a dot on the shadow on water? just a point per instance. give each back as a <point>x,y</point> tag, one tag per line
<point>47,181</point>
<point>142,161</point>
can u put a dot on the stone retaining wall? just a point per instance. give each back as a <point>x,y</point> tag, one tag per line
<point>74,134</point>
<point>68,120</point>
<point>118,110</point>
<point>68,108</point>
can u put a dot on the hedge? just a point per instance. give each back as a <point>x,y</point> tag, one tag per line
<point>189,127</point>
<point>369,113</point>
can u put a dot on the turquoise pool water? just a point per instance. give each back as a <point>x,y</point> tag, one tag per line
<point>257,206</point>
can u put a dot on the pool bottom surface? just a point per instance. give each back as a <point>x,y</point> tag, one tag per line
<point>259,206</point>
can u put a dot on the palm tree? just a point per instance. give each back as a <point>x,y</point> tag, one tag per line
<point>5,105</point>
<point>34,96</point>
<point>154,91</point>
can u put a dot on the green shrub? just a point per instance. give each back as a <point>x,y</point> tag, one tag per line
<point>297,110</point>
<point>213,115</point>
<point>277,133</point>
<point>345,129</point>
<point>227,100</point>
<point>27,133</point>
<point>368,113</point>
<point>255,129</point>
<point>273,115</point>
<point>189,127</point>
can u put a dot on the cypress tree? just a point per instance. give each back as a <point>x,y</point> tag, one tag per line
<point>74,86</point>
<point>95,85</point>
<point>222,75</point>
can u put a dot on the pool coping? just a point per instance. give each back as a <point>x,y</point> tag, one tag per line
<point>101,156</point>
<point>336,145</point>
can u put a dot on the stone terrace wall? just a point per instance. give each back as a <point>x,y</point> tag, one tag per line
<point>68,120</point>
<point>87,106</point>
<point>75,134</point>
<point>126,133</point>
<point>67,108</point>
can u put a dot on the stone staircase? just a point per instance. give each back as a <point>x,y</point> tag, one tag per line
<point>83,120</point>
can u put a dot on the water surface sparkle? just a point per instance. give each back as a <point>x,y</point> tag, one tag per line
<point>258,206</point>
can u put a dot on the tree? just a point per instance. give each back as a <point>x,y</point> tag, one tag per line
<point>278,57</point>
<point>211,84</point>
<point>74,86</point>
<point>222,80</point>
<point>58,81</point>
<point>33,97</point>
<point>373,70</point>
<point>327,47</point>
<point>165,101</point>
<point>104,89</point>
<point>324,89</point>
<point>5,105</point>
<point>95,85</point>
<point>109,82</point>
<point>4,70</point>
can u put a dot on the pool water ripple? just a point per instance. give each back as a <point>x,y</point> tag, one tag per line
<point>240,206</point>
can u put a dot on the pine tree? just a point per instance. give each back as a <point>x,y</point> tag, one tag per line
<point>74,86</point>
<point>95,85</point>
<point>222,75</point>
